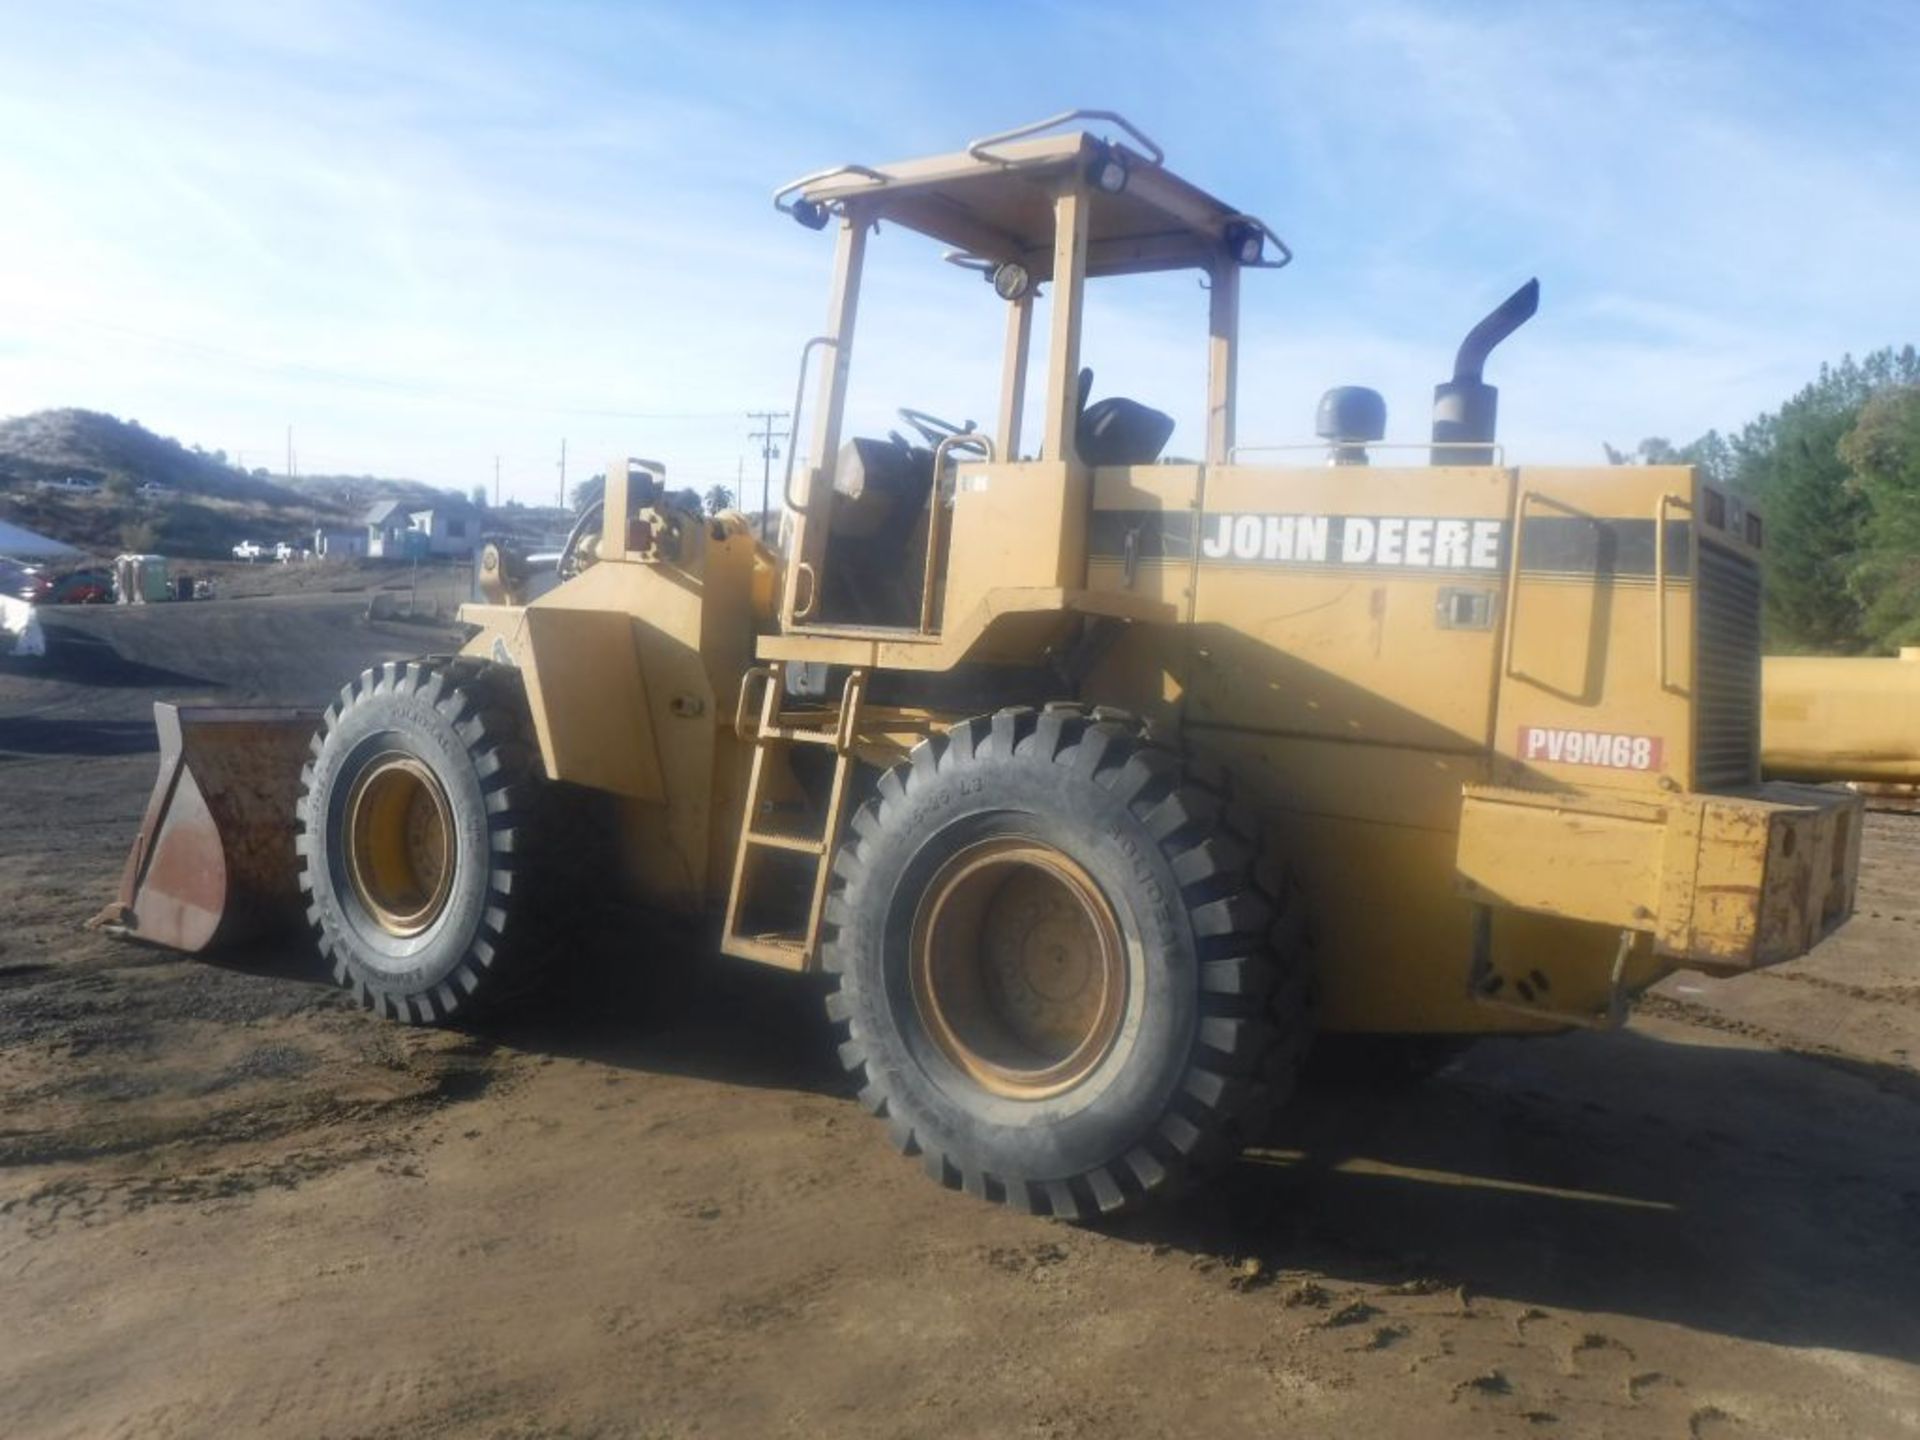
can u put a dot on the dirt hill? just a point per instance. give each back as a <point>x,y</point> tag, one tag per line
<point>124,454</point>
<point>208,506</point>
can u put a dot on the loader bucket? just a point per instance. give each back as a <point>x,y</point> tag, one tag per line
<point>214,861</point>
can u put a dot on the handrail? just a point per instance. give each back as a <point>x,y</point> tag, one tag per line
<point>972,439</point>
<point>1499,451</point>
<point>867,172</point>
<point>1511,626</point>
<point>793,430</point>
<point>851,697</point>
<point>755,674</point>
<point>1513,584</point>
<point>967,260</point>
<point>1660,509</point>
<point>1286,253</point>
<point>978,148</point>
<point>803,571</point>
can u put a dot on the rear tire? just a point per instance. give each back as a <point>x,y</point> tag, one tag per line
<point>1058,981</point>
<point>415,822</point>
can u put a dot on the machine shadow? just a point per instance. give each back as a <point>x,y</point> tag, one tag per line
<point>650,996</point>
<point>650,993</point>
<point>77,656</point>
<point>1759,1194</point>
<point>1753,1193</point>
<point>31,735</point>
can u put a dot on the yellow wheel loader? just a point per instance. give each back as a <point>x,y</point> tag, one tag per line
<point>1853,719</point>
<point>1092,781</point>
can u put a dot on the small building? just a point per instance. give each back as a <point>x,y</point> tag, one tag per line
<point>387,525</point>
<point>450,529</point>
<point>340,544</point>
<point>141,579</point>
<point>404,530</point>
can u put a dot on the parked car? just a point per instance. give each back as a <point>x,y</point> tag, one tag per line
<point>284,552</point>
<point>74,587</point>
<point>70,485</point>
<point>154,490</point>
<point>249,550</point>
<point>16,579</point>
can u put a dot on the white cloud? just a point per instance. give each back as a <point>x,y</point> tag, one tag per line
<point>425,241</point>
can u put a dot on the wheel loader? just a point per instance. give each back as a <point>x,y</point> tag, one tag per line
<point>1848,719</point>
<point>1091,782</point>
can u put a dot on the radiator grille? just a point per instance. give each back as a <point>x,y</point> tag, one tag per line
<point>1726,707</point>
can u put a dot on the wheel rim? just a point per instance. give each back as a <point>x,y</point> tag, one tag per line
<point>1018,969</point>
<point>399,833</point>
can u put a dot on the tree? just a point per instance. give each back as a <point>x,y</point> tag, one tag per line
<point>718,498</point>
<point>1710,453</point>
<point>1882,451</point>
<point>1817,515</point>
<point>588,491</point>
<point>479,497</point>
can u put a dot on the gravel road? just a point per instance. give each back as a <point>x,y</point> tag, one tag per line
<point>231,1204</point>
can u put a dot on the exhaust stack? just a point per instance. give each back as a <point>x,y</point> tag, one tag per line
<point>1466,409</point>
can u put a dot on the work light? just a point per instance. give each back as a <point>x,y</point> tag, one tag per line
<point>1108,172</point>
<point>1244,242</point>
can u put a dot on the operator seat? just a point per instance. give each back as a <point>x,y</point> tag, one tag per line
<point>876,541</point>
<point>878,482</point>
<point>1119,431</point>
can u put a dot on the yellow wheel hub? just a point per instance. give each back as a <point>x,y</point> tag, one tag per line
<point>1018,969</point>
<point>399,843</point>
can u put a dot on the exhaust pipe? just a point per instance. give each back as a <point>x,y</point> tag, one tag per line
<point>1466,409</point>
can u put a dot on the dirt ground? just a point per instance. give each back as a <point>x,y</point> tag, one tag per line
<point>231,1204</point>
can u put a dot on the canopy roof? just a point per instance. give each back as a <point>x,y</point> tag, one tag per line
<point>19,543</point>
<point>994,201</point>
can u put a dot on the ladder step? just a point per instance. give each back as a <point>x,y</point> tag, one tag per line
<point>787,951</point>
<point>774,840</point>
<point>801,737</point>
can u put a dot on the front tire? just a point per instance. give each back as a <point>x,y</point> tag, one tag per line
<point>417,817</point>
<point>1058,981</point>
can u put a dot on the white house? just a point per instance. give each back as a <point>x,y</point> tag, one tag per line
<point>398,530</point>
<point>387,526</point>
<point>450,529</point>
<point>340,544</point>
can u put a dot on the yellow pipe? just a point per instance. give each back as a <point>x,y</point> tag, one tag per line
<point>1828,719</point>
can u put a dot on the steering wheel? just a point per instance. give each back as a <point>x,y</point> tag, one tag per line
<point>589,522</point>
<point>931,427</point>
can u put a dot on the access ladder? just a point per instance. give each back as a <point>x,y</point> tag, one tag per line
<point>775,732</point>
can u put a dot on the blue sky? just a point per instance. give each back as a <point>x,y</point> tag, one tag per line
<point>427,235</point>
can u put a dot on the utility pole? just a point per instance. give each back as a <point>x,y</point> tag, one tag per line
<point>769,452</point>
<point>496,482</point>
<point>289,452</point>
<point>563,474</point>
